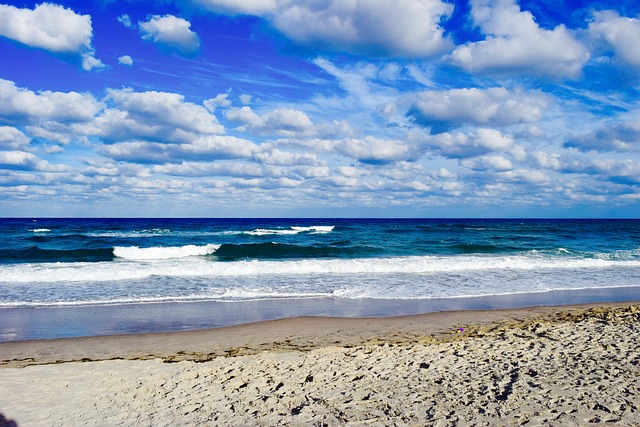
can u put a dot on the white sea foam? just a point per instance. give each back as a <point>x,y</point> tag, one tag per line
<point>315,229</point>
<point>267,293</point>
<point>154,232</point>
<point>266,231</point>
<point>161,253</point>
<point>40,230</point>
<point>184,262</point>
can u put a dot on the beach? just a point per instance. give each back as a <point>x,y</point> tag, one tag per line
<point>564,365</point>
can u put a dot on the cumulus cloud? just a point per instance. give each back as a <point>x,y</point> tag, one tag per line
<point>626,172</point>
<point>443,110</point>
<point>276,157</point>
<point>515,42</point>
<point>621,33</point>
<point>525,176</point>
<point>122,115</point>
<point>216,168</point>
<point>125,60</point>
<point>411,28</point>
<point>241,7</point>
<point>171,33</point>
<point>25,161</point>
<point>51,27</point>
<point>373,150</point>
<point>204,149</point>
<point>23,106</point>
<point>221,146</point>
<point>488,162</point>
<point>472,144</point>
<point>280,122</point>
<point>18,160</point>
<point>220,100</point>
<point>12,138</point>
<point>619,171</point>
<point>163,116</point>
<point>617,137</point>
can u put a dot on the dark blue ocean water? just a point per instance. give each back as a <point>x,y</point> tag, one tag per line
<point>71,262</point>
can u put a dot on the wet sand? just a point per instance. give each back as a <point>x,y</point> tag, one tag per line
<point>49,322</point>
<point>569,365</point>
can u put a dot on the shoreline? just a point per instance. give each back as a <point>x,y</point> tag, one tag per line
<point>570,365</point>
<point>303,333</point>
<point>30,323</point>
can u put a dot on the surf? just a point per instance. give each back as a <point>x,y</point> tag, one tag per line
<point>161,253</point>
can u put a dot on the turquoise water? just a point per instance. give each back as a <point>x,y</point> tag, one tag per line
<point>85,262</point>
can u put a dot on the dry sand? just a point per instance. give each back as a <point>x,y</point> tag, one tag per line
<point>575,365</point>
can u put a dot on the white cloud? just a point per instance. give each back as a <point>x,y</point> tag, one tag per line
<point>619,171</point>
<point>171,32</point>
<point>586,165</point>
<point>280,122</point>
<point>220,100</point>
<point>207,148</point>
<point>515,42</point>
<point>376,151</point>
<point>621,33</point>
<point>122,115</point>
<point>20,105</point>
<point>12,138</point>
<point>245,115</point>
<point>164,113</point>
<point>241,7</point>
<point>90,62</point>
<point>225,168</point>
<point>283,158</point>
<point>315,144</point>
<point>547,160</point>
<point>410,28</point>
<point>442,110</point>
<point>489,162</point>
<point>53,131</point>
<point>20,160</point>
<point>53,28</point>
<point>221,146</point>
<point>125,60</point>
<point>624,137</point>
<point>125,20</point>
<point>525,176</point>
<point>472,144</point>
<point>137,152</point>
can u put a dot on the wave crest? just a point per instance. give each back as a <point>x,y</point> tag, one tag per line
<point>159,253</point>
<point>314,229</point>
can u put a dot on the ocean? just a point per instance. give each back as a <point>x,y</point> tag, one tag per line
<point>84,263</point>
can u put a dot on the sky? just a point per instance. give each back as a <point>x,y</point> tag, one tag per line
<point>320,108</point>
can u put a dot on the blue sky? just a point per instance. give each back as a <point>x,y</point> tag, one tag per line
<point>219,108</point>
